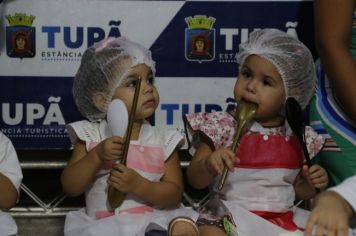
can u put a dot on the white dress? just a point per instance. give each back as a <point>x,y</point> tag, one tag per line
<point>262,182</point>
<point>133,217</point>
<point>9,167</point>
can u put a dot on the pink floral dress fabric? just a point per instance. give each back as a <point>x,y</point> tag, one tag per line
<point>270,159</point>
<point>220,128</point>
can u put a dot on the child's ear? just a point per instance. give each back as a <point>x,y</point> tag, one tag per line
<point>99,100</point>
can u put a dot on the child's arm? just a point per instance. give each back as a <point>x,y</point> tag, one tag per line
<point>333,208</point>
<point>8,195</point>
<point>83,165</point>
<point>333,37</point>
<point>166,193</point>
<point>331,213</point>
<point>308,179</point>
<point>206,164</point>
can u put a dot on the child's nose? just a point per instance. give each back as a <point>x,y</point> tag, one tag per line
<point>251,86</point>
<point>147,87</point>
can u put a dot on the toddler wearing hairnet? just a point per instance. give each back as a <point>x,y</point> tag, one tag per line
<point>267,172</point>
<point>152,179</point>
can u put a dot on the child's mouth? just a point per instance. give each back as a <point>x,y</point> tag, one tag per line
<point>249,101</point>
<point>149,103</point>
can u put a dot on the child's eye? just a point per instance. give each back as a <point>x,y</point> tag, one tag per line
<point>151,80</point>
<point>131,82</point>
<point>245,73</point>
<point>267,82</point>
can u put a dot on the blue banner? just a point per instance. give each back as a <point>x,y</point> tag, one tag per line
<point>194,41</point>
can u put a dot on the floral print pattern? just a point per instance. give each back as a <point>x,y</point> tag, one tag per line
<point>220,128</point>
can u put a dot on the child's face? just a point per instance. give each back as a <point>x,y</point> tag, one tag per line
<point>148,99</point>
<point>260,82</point>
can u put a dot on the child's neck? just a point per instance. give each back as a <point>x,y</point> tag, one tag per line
<point>270,123</point>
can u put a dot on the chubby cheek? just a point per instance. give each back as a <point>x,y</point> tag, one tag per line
<point>148,111</point>
<point>270,107</point>
<point>128,104</point>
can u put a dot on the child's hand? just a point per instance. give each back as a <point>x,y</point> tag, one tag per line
<point>110,149</point>
<point>124,179</point>
<point>329,216</point>
<point>316,176</point>
<point>218,159</point>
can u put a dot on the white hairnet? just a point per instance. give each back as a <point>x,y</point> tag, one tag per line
<point>291,57</point>
<point>102,68</point>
